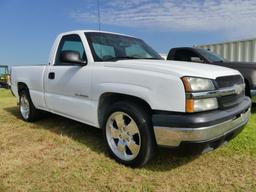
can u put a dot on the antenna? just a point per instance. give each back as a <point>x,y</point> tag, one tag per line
<point>98,3</point>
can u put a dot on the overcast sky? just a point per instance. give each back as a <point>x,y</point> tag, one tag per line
<point>28,27</point>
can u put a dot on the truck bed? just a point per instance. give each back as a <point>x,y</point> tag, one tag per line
<point>33,75</point>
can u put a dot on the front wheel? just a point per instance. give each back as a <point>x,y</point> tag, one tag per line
<point>128,134</point>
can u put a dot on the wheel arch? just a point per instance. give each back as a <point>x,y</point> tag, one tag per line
<point>22,86</point>
<point>109,98</point>
<point>247,87</point>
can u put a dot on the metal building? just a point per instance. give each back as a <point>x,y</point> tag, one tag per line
<point>243,50</point>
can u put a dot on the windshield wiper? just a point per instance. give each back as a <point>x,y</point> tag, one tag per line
<point>220,61</point>
<point>120,58</point>
<point>127,57</point>
<point>153,58</point>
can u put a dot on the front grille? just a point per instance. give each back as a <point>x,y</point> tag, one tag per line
<point>231,100</point>
<point>229,81</point>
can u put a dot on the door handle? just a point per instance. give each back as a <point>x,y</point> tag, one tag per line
<point>51,75</point>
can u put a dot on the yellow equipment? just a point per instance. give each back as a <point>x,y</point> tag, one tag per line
<point>4,76</point>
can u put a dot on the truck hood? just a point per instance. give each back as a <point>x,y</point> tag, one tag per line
<point>176,68</point>
<point>237,65</point>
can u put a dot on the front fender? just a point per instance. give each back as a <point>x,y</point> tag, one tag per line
<point>158,97</point>
<point>126,89</point>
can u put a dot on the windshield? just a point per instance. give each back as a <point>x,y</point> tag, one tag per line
<point>3,70</point>
<point>112,47</point>
<point>210,55</point>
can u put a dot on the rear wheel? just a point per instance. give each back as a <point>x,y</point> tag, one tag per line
<point>27,109</point>
<point>128,134</point>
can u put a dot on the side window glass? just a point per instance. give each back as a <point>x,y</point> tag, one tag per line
<point>194,57</point>
<point>181,55</point>
<point>186,55</point>
<point>70,43</point>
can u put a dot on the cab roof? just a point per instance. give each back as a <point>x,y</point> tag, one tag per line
<point>93,31</point>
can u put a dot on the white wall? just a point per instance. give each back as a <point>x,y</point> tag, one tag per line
<point>244,50</point>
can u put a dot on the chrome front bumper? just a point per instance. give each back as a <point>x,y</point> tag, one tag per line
<point>172,137</point>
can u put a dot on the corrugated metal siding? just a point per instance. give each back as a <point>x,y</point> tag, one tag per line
<point>244,50</point>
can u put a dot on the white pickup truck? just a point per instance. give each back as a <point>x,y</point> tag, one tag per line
<point>121,85</point>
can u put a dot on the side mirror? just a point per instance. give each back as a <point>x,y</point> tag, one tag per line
<point>196,59</point>
<point>71,57</point>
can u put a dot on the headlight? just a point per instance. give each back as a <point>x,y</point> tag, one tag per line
<point>193,84</point>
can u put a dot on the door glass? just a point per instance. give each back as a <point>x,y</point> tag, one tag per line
<point>70,43</point>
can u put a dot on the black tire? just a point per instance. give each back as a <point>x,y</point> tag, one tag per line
<point>144,125</point>
<point>247,88</point>
<point>33,113</point>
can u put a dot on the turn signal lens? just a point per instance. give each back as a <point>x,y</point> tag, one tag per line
<point>190,105</point>
<point>186,84</point>
<point>201,105</point>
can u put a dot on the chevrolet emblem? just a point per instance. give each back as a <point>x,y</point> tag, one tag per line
<point>238,89</point>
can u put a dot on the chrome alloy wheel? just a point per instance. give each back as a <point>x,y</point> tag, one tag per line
<point>24,107</point>
<point>123,136</point>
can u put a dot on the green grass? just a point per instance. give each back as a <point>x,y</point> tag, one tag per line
<point>58,154</point>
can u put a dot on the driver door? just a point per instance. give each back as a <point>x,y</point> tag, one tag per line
<point>67,85</point>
